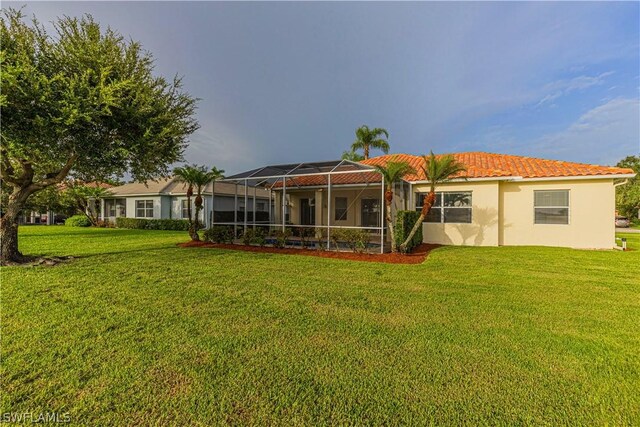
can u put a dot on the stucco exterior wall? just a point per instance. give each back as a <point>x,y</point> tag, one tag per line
<point>483,229</point>
<point>354,197</point>
<point>157,206</point>
<point>591,214</point>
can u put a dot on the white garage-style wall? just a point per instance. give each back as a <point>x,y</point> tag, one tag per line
<point>591,214</point>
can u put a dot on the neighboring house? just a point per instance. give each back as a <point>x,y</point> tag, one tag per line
<point>504,200</point>
<point>167,199</point>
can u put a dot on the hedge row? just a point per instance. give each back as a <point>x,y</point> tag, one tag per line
<point>405,220</point>
<point>152,224</point>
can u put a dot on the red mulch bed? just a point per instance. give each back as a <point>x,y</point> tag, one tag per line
<point>418,255</point>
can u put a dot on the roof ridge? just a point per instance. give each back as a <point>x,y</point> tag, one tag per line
<point>170,180</point>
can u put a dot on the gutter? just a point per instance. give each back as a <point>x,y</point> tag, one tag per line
<point>548,178</point>
<point>580,177</point>
<point>495,178</point>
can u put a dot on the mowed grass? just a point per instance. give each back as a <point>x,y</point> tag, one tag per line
<point>137,331</point>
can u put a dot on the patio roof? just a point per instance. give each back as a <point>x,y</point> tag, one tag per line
<point>274,172</point>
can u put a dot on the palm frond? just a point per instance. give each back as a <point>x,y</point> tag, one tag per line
<point>438,170</point>
<point>394,171</point>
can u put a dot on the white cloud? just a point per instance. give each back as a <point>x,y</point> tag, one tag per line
<point>602,135</point>
<point>564,87</point>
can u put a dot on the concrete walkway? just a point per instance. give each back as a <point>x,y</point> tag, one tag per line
<point>628,230</point>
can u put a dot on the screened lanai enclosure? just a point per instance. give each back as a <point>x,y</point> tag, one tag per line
<point>315,205</point>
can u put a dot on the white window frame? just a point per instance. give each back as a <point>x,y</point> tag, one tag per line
<point>442,207</point>
<point>145,208</point>
<point>568,207</point>
<point>184,208</point>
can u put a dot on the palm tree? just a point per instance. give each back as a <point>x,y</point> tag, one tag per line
<point>392,172</point>
<point>213,175</point>
<point>437,170</point>
<point>352,156</point>
<point>370,138</point>
<point>195,177</point>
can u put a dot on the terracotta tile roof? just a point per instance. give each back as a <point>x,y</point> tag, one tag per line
<point>479,165</point>
<point>490,165</point>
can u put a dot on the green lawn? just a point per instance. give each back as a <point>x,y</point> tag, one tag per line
<point>136,331</point>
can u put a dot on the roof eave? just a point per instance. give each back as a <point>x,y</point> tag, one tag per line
<point>579,177</point>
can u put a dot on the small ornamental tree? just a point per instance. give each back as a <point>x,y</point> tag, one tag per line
<point>84,103</point>
<point>437,170</point>
<point>628,195</point>
<point>85,200</point>
<point>196,177</point>
<point>392,172</point>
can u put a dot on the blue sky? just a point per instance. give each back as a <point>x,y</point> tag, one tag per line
<point>287,82</point>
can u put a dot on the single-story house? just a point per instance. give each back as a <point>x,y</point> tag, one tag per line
<point>501,200</point>
<point>167,199</point>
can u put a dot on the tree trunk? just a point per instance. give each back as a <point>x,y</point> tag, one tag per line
<point>9,227</point>
<point>195,225</point>
<point>388,199</point>
<point>366,152</point>
<point>193,229</point>
<point>428,202</point>
<point>392,233</point>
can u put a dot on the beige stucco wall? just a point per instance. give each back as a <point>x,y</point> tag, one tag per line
<point>591,214</point>
<point>483,229</point>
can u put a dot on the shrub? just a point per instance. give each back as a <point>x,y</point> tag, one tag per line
<point>281,238</point>
<point>260,236</point>
<point>336,236</point>
<point>152,224</point>
<point>405,220</point>
<point>248,237</point>
<point>356,240</point>
<point>77,221</point>
<point>306,234</point>
<point>219,234</point>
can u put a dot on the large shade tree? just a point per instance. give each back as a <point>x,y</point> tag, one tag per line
<point>81,102</point>
<point>392,172</point>
<point>196,178</point>
<point>367,139</point>
<point>628,195</point>
<point>437,170</point>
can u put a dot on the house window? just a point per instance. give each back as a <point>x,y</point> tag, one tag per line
<point>551,207</point>
<point>260,206</point>
<point>144,208</point>
<point>341,209</point>
<point>121,207</point>
<point>450,207</point>
<point>110,208</point>
<point>184,208</point>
